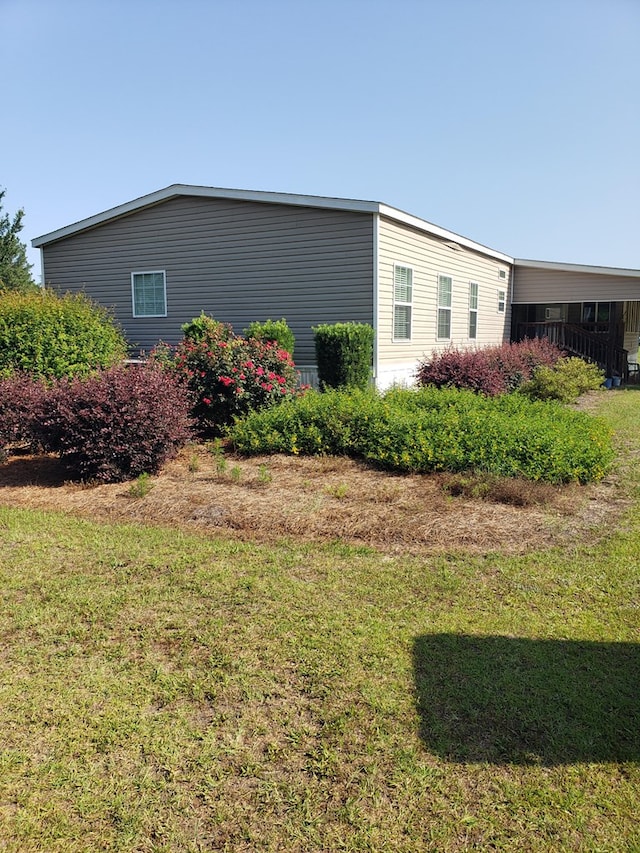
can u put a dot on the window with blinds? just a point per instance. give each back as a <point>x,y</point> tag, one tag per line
<point>149,294</point>
<point>402,302</point>
<point>445,290</point>
<point>473,309</point>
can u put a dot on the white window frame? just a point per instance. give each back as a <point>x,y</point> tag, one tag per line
<point>502,301</point>
<point>400,303</point>
<point>133,291</point>
<point>444,307</point>
<point>474,298</point>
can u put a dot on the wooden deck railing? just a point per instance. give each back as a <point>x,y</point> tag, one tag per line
<point>593,345</point>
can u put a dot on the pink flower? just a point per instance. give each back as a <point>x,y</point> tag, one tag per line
<point>260,371</point>
<point>226,381</point>
<point>206,401</point>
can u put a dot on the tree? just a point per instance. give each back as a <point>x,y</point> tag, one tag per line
<point>15,272</point>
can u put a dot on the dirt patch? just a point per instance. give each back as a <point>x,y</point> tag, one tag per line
<point>269,499</point>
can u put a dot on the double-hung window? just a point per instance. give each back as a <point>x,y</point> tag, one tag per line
<point>402,302</point>
<point>445,288</point>
<point>149,294</point>
<point>473,309</point>
<point>502,301</point>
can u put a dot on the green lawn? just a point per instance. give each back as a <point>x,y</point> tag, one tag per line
<point>161,691</point>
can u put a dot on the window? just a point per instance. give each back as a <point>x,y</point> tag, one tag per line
<point>596,312</point>
<point>502,301</point>
<point>402,301</point>
<point>473,309</point>
<point>445,286</point>
<point>149,294</point>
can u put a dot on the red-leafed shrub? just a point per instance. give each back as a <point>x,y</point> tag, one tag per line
<point>469,369</point>
<point>117,424</point>
<point>516,362</point>
<point>21,406</point>
<point>492,370</point>
<point>229,375</point>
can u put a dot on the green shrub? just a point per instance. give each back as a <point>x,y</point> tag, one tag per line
<point>52,336</point>
<point>565,381</point>
<point>272,331</point>
<point>117,424</point>
<point>431,430</point>
<point>229,376</point>
<point>205,326</point>
<point>344,354</point>
<point>315,424</point>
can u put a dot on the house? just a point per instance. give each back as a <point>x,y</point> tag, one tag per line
<point>593,312</point>
<point>239,255</point>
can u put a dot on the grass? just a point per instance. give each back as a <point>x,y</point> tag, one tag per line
<point>166,691</point>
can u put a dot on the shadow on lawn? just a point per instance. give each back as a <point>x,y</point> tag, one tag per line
<point>512,700</point>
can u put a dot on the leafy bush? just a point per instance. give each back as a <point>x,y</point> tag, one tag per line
<point>565,381</point>
<point>21,406</point>
<point>316,424</point>
<point>344,354</point>
<point>54,336</point>
<point>272,331</point>
<point>117,424</point>
<point>205,326</point>
<point>492,370</point>
<point>432,430</point>
<point>229,376</point>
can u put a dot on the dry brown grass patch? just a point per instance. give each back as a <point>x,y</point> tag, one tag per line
<point>268,499</point>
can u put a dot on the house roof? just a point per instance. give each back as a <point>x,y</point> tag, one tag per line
<point>353,205</point>
<point>554,266</point>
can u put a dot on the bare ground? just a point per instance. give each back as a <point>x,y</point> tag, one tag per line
<point>277,498</point>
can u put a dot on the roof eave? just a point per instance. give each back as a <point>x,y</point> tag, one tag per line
<point>554,266</point>
<point>175,190</point>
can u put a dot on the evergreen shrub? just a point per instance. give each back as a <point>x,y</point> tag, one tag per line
<point>272,331</point>
<point>54,336</point>
<point>344,354</point>
<point>205,326</point>
<point>565,381</point>
<point>117,424</point>
<point>432,430</point>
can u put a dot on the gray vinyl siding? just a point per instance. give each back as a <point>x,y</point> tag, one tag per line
<point>543,286</point>
<point>431,256</point>
<point>236,260</point>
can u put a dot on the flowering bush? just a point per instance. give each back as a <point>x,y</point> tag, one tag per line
<point>117,424</point>
<point>228,376</point>
<point>492,370</point>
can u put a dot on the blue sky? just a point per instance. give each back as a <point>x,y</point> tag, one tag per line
<point>513,122</point>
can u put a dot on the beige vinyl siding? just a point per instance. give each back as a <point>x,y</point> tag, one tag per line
<point>430,256</point>
<point>544,286</point>
<point>237,260</point>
